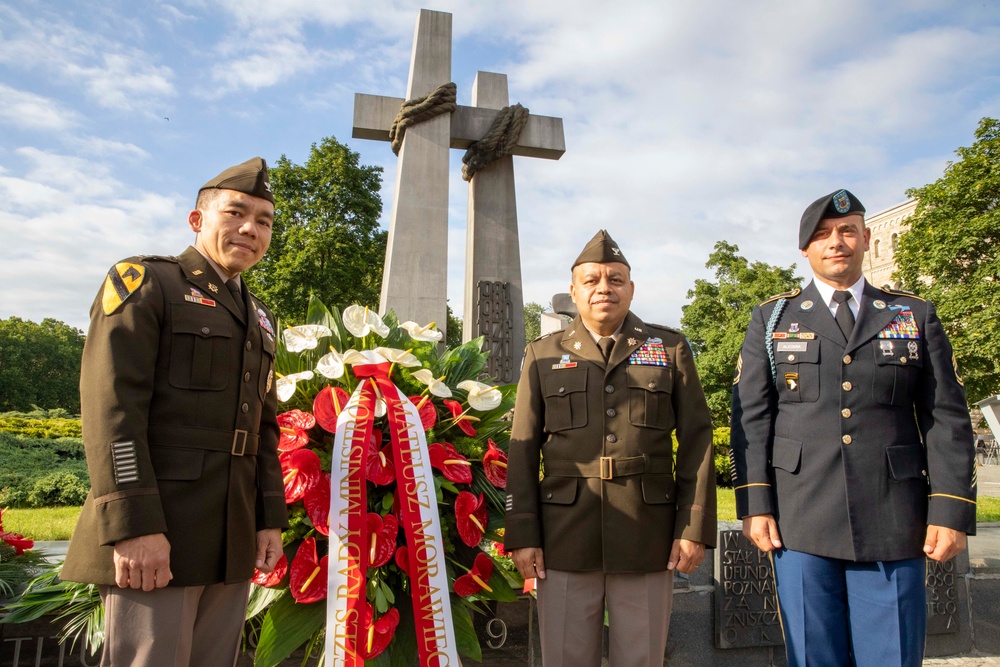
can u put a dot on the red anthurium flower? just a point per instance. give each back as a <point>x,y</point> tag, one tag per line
<point>16,540</point>
<point>327,407</point>
<point>454,466</point>
<point>495,465</point>
<point>379,632</point>
<point>295,426</point>
<point>475,580</point>
<point>470,513</point>
<point>462,420</point>
<point>301,471</point>
<point>428,414</point>
<point>403,559</point>
<point>500,549</point>
<point>317,502</point>
<point>380,470</point>
<point>308,579</point>
<point>382,532</point>
<point>274,577</point>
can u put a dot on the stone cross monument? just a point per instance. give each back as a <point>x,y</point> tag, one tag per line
<point>414,282</point>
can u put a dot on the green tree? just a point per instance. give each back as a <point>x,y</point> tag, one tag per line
<point>532,320</point>
<point>951,255</point>
<point>717,318</point>
<point>453,332</point>
<point>326,238</point>
<point>39,365</point>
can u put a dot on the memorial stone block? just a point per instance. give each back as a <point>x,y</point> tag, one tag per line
<point>746,605</point>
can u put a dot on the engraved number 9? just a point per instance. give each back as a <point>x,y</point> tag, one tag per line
<point>498,637</point>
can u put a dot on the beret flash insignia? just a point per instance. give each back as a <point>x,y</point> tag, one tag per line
<point>842,202</point>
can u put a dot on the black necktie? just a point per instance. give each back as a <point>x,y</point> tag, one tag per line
<point>844,316</point>
<point>606,344</point>
<point>234,289</point>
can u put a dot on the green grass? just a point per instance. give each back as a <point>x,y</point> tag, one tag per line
<point>42,525</point>
<point>56,523</point>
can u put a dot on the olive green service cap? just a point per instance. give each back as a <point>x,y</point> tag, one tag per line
<point>834,205</point>
<point>603,249</point>
<point>249,178</point>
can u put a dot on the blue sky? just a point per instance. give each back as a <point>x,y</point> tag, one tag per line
<point>686,122</point>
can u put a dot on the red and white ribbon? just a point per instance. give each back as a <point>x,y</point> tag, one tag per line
<point>346,636</point>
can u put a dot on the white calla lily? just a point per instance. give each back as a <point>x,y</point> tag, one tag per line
<point>286,385</point>
<point>436,385</point>
<point>418,332</point>
<point>401,357</point>
<point>331,365</point>
<point>304,337</point>
<point>361,321</point>
<point>481,396</point>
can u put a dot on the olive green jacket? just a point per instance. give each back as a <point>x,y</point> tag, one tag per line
<point>178,405</point>
<point>613,498</point>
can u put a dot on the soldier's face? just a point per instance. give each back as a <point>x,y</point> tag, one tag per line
<point>233,228</point>
<point>836,251</point>
<point>602,293</point>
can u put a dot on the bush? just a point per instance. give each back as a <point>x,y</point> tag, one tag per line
<point>33,469</point>
<point>48,424</point>
<point>58,489</point>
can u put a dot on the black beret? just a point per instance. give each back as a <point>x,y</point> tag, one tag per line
<point>249,178</point>
<point>834,205</point>
<point>602,249</point>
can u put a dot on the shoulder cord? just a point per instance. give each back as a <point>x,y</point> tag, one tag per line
<point>769,333</point>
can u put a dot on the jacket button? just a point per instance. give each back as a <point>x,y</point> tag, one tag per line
<point>245,408</point>
<point>846,412</point>
<point>847,386</point>
<point>609,388</point>
<point>652,385</point>
<point>847,358</point>
<point>562,389</point>
<point>246,376</point>
<point>902,360</point>
<point>612,437</point>
<point>924,473</point>
<point>611,412</point>
<point>548,495</point>
<point>206,330</point>
<point>249,346</point>
<point>791,357</point>
<point>846,439</point>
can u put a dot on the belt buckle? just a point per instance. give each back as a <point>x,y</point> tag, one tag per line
<point>242,442</point>
<point>607,467</point>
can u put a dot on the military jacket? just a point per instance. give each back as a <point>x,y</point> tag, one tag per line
<point>855,446</point>
<point>612,497</point>
<point>178,407</point>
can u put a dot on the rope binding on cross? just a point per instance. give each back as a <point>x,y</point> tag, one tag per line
<point>498,141</point>
<point>440,100</point>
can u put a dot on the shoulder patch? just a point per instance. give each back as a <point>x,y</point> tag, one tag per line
<point>899,292</point>
<point>123,279</point>
<point>787,295</point>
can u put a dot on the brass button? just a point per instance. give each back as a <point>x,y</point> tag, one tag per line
<point>206,330</point>
<point>845,413</point>
<point>652,385</point>
<point>791,357</point>
<point>611,412</point>
<point>562,389</point>
<point>246,376</point>
<point>846,439</point>
<point>245,408</point>
<point>610,388</point>
<point>847,358</point>
<point>847,386</point>
<point>902,360</point>
<point>249,346</point>
<point>612,437</point>
<point>924,473</point>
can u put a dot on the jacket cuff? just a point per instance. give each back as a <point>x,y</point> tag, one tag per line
<point>754,499</point>
<point>697,526</point>
<point>521,531</point>
<point>952,512</point>
<point>133,516</point>
<point>272,512</point>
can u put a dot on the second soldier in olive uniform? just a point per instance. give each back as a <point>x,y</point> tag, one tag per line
<point>615,514</point>
<point>178,406</point>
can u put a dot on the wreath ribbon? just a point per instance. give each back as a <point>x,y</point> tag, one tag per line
<point>417,503</point>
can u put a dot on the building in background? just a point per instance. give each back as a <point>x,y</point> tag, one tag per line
<point>886,227</point>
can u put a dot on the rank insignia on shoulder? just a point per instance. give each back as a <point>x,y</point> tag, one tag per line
<point>123,279</point>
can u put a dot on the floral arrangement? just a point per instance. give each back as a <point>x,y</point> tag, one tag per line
<point>326,371</point>
<point>18,563</point>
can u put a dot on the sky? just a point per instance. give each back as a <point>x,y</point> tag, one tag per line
<point>686,123</point>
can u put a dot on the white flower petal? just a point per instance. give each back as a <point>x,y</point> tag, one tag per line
<point>380,408</point>
<point>331,365</point>
<point>440,389</point>
<point>400,357</point>
<point>418,332</point>
<point>423,375</point>
<point>355,320</point>
<point>285,389</point>
<point>304,337</point>
<point>376,324</point>
<point>304,375</point>
<point>481,396</point>
<point>437,387</point>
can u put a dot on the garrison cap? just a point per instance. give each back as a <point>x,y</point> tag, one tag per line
<point>834,205</point>
<point>249,178</point>
<point>602,249</point>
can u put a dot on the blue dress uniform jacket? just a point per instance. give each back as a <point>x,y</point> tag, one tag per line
<point>178,409</point>
<point>855,446</point>
<point>612,498</point>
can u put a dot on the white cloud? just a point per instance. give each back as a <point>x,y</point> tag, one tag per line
<point>34,112</point>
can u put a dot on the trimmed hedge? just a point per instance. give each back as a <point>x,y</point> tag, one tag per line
<point>42,472</point>
<point>47,424</point>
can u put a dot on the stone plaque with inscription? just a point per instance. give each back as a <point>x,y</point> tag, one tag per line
<point>746,605</point>
<point>942,597</point>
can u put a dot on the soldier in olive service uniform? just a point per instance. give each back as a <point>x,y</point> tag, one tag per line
<point>852,451</point>
<point>614,514</point>
<point>178,405</point>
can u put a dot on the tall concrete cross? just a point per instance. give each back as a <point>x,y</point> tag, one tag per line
<point>414,282</point>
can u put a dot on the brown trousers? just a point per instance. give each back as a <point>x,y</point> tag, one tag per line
<point>571,617</point>
<point>183,626</point>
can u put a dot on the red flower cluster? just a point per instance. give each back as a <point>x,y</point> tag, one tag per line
<point>16,540</point>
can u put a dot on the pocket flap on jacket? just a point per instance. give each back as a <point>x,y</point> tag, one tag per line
<point>558,490</point>
<point>658,489</point>
<point>563,382</point>
<point>905,462</point>
<point>176,463</point>
<point>786,453</point>
<point>649,378</point>
<point>200,322</point>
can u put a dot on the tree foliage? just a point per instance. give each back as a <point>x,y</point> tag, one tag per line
<point>39,365</point>
<point>716,320</point>
<point>951,256</point>
<point>533,320</point>
<point>326,239</point>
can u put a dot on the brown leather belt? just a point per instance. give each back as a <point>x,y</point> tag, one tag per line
<point>237,443</point>
<point>609,467</point>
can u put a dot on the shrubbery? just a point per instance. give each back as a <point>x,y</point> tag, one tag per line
<point>37,471</point>
<point>46,424</point>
